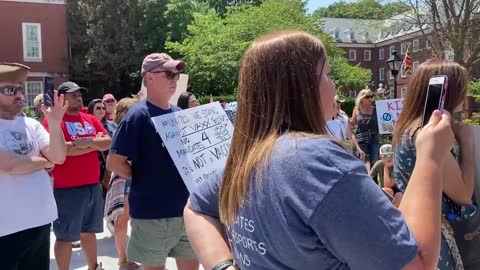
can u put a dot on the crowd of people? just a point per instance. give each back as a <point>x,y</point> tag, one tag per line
<point>296,192</point>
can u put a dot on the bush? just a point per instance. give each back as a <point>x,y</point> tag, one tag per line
<point>473,121</point>
<point>226,98</point>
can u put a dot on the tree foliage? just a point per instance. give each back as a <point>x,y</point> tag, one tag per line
<point>110,38</point>
<point>349,77</point>
<point>215,45</point>
<point>362,9</point>
<point>450,25</point>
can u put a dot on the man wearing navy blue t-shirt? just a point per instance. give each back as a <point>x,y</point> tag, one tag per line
<point>157,194</point>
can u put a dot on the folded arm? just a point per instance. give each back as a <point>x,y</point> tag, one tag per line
<point>14,164</point>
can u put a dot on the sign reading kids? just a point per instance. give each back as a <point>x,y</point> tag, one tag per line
<point>198,140</point>
<point>388,112</point>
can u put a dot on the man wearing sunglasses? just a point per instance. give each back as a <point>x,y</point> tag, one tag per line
<point>157,194</point>
<point>26,151</point>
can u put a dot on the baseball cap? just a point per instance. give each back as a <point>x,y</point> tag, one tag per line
<point>386,150</point>
<point>13,72</point>
<point>107,97</point>
<point>163,61</point>
<point>70,87</point>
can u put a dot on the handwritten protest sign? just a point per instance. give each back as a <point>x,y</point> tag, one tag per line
<point>388,112</point>
<point>198,140</point>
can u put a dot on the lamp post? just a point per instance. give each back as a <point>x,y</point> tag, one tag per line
<point>394,63</point>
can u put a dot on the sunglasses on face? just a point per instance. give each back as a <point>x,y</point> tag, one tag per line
<point>369,97</point>
<point>11,91</point>
<point>100,108</point>
<point>110,101</point>
<point>169,74</point>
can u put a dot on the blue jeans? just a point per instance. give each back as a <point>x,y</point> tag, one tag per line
<point>371,149</point>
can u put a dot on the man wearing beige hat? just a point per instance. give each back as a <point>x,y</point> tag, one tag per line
<point>157,194</point>
<point>26,150</point>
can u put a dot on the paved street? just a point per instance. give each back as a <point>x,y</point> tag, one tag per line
<point>106,252</point>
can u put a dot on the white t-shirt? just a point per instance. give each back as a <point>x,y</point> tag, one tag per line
<point>26,201</point>
<point>338,127</point>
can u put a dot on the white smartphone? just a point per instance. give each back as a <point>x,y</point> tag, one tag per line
<point>437,90</point>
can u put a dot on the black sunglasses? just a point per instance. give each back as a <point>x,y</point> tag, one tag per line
<point>169,74</point>
<point>11,90</point>
<point>368,97</point>
<point>100,108</point>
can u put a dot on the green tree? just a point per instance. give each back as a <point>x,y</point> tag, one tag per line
<point>110,32</point>
<point>349,77</point>
<point>214,46</point>
<point>221,6</point>
<point>362,9</point>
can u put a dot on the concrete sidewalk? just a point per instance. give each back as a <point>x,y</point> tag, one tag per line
<point>107,254</point>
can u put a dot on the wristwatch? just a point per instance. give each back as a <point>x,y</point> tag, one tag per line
<point>224,265</point>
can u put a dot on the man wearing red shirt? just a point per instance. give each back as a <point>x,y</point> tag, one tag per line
<point>76,182</point>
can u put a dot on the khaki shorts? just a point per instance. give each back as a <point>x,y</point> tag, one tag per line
<point>153,240</point>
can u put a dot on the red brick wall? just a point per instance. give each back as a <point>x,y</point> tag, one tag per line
<point>53,20</point>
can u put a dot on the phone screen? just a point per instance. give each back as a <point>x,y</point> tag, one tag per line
<point>48,92</point>
<point>434,97</point>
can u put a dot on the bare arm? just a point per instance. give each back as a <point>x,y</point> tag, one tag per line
<point>425,189</point>
<point>101,143</point>
<point>387,180</point>
<point>459,179</point>
<point>57,150</point>
<point>207,237</point>
<point>72,150</point>
<point>119,165</point>
<point>14,164</point>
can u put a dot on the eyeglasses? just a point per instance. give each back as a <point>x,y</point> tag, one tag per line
<point>369,97</point>
<point>169,74</point>
<point>100,108</point>
<point>110,101</point>
<point>12,91</point>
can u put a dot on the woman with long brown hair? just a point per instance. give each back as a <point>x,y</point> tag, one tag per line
<point>292,198</point>
<point>458,176</point>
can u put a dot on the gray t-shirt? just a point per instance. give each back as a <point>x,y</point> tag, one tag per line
<point>316,209</point>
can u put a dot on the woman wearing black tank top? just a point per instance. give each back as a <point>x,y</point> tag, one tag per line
<point>364,119</point>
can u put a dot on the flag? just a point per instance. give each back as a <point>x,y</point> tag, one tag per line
<point>211,99</point>
<point>407,61</point>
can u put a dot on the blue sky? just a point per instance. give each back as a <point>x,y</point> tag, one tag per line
<point>315,4</point>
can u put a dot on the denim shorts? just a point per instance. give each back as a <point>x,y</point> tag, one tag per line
<point>80,210</point>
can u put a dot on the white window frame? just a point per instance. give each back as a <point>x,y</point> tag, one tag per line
<point>354,58</point>
<point>415,66</point>
<point>27,91</point>
<point>381,54</point>
<point>428,44</point>
<point>369,53</point>
<point>403,92</point>
<point>390,50</point>
<point>381,74</point>
<point>403,48</point>
<point>418,45</point>
<point>403,72</point>
<point>26,58</point>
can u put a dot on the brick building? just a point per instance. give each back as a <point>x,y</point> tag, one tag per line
<point>369,43</point>
<point>34,33</point>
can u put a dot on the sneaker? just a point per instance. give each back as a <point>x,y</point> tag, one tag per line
<point>129,266</point>
<point>76,244</point>
<point>99,267</point>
